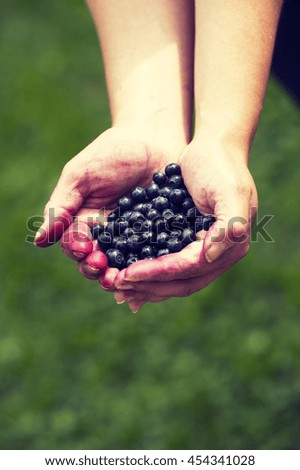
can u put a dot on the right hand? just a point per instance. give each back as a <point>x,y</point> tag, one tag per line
<point>90,185</point>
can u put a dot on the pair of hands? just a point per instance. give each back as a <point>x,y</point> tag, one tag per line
<point>218,181</point>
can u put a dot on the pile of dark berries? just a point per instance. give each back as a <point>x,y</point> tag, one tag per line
<point>152,221</point>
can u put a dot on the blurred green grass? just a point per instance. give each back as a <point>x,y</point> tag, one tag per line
<point>217,370</point>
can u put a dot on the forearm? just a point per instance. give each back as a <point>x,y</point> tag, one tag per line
<point>147,51</point>
<point>234,45</point>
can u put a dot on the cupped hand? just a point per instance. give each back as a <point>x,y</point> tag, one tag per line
<point>89,187</point>
<point>220,183</point>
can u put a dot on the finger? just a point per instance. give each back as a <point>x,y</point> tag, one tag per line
<point>65,200</point>
<point>106,280</point>
<point>183,265</point>
<point>231,227</point>
<point>135,305</point>
<point>94,264</point>
<point>157,291</point>
<point>90,216</point>
<point>76,241</point>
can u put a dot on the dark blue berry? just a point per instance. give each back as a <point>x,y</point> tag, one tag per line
<point>135,217</point>
<point>138,194</point>
<point>159,225</point>
<point>110,228</point>
<point>185,192</point>
<point>113,215</point>
<point>120,243</point>
<point>131,254</point>
<point>165,192</point>
<point>115,258</point>
<point>176,181</point>
<point>193,213</point>
<point>153,214</point>
<point>147,226</point>
<point>188,236</point>
<point>177,196</point>
<point>162,239</point>
<point>126,215</point>
<point>131,260</point>
<point>162,252</point>
<point>178,222</point>
<point>134,243</point>
<point>160,203</point>
<point>198,224</point>
<point>96,230</point>
<point>175,234</point>
<point>125,203</point>
<point>147,251</point>
<point>137,207</point>
<point>172,169</point>
<point>187,204</point>
<point>146,208</point>
<point>120,225</point>
<point>152,191</point>
<point>105,240</point>
<point>174,245</point>
<point>128,232</point>
<point>208,221</point>
<point>168,215</point>
<point>148,237</point>
<point>160,178</point>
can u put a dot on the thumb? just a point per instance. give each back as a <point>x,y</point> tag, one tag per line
<point>65,200</point>
<point>232,225</point>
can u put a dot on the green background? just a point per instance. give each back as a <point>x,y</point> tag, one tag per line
<point>220,369</point>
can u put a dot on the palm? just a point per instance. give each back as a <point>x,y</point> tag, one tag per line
<point>112,165</point>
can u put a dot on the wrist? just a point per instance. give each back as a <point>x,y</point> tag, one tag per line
<point>207,144</point>
<point>228,139</point>
<point>164,137</point>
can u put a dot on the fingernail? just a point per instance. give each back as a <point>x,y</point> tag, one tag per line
<point>93,270</point>
<point>121,302</point>
<point>39,234</point>
<point>212,254</point>
<point>78,254</point>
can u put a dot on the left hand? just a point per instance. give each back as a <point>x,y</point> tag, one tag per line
<point>220,184</point>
